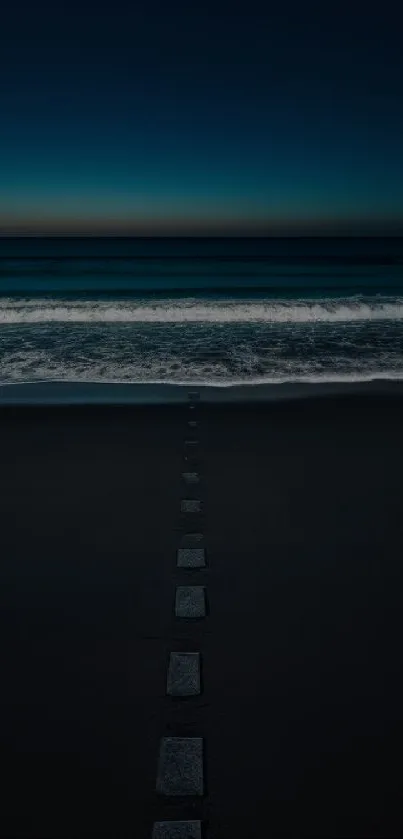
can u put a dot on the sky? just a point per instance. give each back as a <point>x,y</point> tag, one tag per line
<point>159,117</point>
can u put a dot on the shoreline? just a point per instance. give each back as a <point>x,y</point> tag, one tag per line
<point>95,393</point>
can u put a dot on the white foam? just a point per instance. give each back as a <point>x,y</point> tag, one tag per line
<point>220,343</point>
<point>253,381</point>
<point>194,310</point>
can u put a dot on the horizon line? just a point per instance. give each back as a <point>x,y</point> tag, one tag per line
<point>312,235</point>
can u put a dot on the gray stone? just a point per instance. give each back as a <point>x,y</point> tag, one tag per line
<point>193,394</point>
<point>191,477</point>
<point>192,450</point>
<point>191,558</point>
<point>177,830</point>
<point>180,766</point>
<point>184,674</point>
<point>190,602</point>
<point>190,505</point>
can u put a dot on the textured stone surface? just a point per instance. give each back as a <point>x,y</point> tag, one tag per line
<point>191,477</point>
<point>180,766</point>
<point>191,505</point>
<point>184,674</point>
<point>190,602</point>
<point>177,830</point>
<point>191,558</point>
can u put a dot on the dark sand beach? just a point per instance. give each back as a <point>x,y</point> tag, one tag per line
<point>302,695</point>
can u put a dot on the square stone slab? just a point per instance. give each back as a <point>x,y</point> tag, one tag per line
<point>184,674</point>
<point>177,830</point>
<point>190,505</point>
<point>180,766</point>
<point>191,477</point>
<point>191,558</point>
<point>190,602</point>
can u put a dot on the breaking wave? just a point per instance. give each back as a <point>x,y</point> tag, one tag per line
<point>195,310</point>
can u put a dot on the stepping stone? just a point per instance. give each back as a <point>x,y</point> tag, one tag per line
<point>191,446</point>
<point>194,394</point>
<point>190,505</point>
<point>180,766</point>
<point>184,674</point>
<point>190,602</point>
<point>177,830</point>
<point>191,477</point>
<point>191,558</point>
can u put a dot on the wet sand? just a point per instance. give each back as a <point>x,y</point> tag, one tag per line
<point>302,695</point>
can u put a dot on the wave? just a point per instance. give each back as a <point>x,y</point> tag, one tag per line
<point>223,356</point>
<point>19,374</point>
<point>195,310</point>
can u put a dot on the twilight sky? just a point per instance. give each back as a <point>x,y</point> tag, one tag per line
<point>173,116</point>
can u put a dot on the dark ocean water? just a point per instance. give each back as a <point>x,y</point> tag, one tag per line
<point>211,311</point>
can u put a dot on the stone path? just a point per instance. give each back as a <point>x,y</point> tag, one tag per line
<point>181,760</point>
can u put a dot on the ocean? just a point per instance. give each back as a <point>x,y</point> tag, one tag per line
<point>215,312</point>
